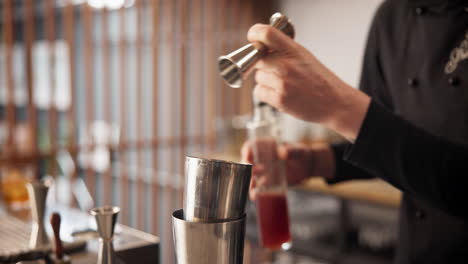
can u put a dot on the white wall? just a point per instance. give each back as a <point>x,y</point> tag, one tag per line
<point>335,31</point>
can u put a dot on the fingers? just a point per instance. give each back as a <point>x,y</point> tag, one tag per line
<point>258,169</point>
<point>267,94</point>
<point>246,152</point>
<point>256,180</point>
<point>288,152</point>
<point>283,151</point>
<point>271,37</point>
<point>252,189</point>
<point>296,153</point>
<point>273,63</point>
<point>269,79</point>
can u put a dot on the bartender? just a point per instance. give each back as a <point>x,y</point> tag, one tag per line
<point>408,123</point>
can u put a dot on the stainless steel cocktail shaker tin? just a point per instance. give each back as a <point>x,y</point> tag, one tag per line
<point>215,190</point>
<point>201,242</point>
<point>211,226</point>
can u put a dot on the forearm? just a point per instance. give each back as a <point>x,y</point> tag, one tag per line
<point>349,111</point>
<point>411,159</point>
<point>344,171</point>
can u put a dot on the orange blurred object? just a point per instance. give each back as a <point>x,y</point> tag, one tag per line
<point>13,188</point>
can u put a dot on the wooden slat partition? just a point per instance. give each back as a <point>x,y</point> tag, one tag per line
<point>236,23</point>
<point>107,176</point>
<point>29,36</point>
<point>10,82</point>
<point>196,51</point>
<point>88,21</point>
<point>192,34</point>
<point>183,32</point>
<point>170,193</point>
<point>141,203</point>
<point>210,70</point>
<point>155,4</point>
<point>223,26</point>
<point>69,35</point>
<point>247,19</point>
<point>52,111</point>
<point>123,169</point>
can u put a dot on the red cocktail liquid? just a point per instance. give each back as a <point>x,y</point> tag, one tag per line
<point>273,219</point>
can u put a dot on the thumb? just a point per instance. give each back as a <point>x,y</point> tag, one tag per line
<point>271,37</point>
<point>252,192</point>
<point>246,152</point>
<point>291,152</point>
<point>283,150</point>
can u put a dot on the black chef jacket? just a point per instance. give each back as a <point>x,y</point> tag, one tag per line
<point>416,66</point>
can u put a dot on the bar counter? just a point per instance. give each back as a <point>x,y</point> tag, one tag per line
<point>374,191</point>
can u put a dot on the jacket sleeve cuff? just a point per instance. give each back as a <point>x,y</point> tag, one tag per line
<point>350,157</point>
<point>367,139</point>
<point>340,164</point>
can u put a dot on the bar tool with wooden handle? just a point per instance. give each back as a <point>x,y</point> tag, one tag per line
<point>58,257</point>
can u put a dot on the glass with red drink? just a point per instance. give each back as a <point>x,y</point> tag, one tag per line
<point>270,184</point>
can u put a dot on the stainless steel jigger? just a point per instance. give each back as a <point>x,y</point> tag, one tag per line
<point>37,192</point>
<point>106,218</point>
<point>211,227</point>
<point>237,65</point>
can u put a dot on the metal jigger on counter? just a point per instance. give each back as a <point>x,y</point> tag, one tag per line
<point>236,66</point>
<point>211,226</point>
<point>58,257</point>
<point>37,192</point>
<point>106,218</point>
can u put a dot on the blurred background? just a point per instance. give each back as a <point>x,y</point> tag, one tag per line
<point>109,96</point>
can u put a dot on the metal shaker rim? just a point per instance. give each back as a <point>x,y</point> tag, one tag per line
<point>46,182</point>
<point>178,215</point>
<point>218,161</point>
<point>105,210</point>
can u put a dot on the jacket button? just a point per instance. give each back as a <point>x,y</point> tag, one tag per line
<point>420,10</point>
<point>454,81</point>
<point>420,214</point>
<point>413,82</point>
